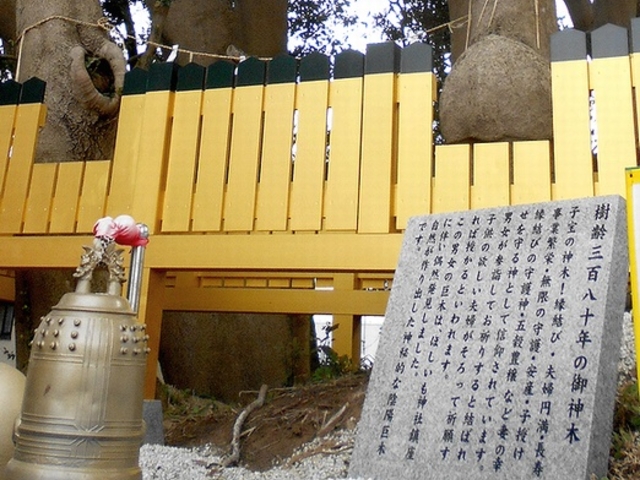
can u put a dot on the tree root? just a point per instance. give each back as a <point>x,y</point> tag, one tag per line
<point>327,447</point>
<point>328,425</point>
<point>234,457</point>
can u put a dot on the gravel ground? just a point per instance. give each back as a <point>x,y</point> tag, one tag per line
<point>627,364</point>
<point>323,459</point>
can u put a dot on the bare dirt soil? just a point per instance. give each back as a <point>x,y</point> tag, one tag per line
<point>289,418</point>
<point>292,417</point>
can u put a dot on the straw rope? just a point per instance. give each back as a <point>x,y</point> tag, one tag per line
<point>536,5</point>
<point>486,2</point>
<point>537,8</point>
<point>103,24</point>
<point>469,21</point>
<point>458,22</point>
<point>493,12</point>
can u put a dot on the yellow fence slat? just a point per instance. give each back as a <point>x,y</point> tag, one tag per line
<point>611,83</point>
<point>38,209</point>
<point>341,196</point>
<point>416,93</point>
<point>92,202</point>
<point>309,164</point>
<point>531,172</point>
<point>212,166</point>
<point>244,157</point>
<point>151,156</point>
<point>573,165</point>
<point>7,120</point>
<point>64,210</point>
<point>491,175</point>
<point>272,208</point>
<point>125,156</point>
<point>451,184</point>
<point>29,117</point>
<point>185,137</point>
<point>379,103</point>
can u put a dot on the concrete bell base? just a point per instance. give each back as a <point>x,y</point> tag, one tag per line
<point>17,470</point>
<point>11,393</point>
<point>152,416</point>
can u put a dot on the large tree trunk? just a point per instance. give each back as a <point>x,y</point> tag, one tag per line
<point>84,72</point>
<point>458,10</point>
<point>256,27</point>
<point>502,72</point>
<point>8,34</point>
<point>8,20</point>
<point>587,16</point>
<point>264,26</point>
<point>221,355</point>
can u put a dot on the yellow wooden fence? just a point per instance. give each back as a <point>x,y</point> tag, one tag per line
<point>285,186</point>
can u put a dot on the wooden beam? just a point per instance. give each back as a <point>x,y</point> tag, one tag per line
<point>42,251</point>
<point>276,300</point>
<point>322,252</point>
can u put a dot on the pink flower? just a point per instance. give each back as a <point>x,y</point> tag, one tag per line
<point>122,229</point>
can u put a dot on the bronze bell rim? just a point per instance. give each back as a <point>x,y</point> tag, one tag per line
<point>94,303</point>
<point>33,471</point>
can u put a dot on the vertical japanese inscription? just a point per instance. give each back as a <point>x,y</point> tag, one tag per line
<point>492,345</point>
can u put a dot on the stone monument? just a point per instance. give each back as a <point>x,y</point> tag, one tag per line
<point>498,355</point>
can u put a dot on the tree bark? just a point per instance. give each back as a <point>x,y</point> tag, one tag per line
<point>264,25</point>
<point>458,9</point>
<point>516,19</point>
<point>587,16</point>
<point>8,20</point>
<point>618,12</point>
<point>159,15</point>
<point>80,117</point>
<point>256,27</point>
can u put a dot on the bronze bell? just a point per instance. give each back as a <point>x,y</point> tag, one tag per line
<point>81,415</point>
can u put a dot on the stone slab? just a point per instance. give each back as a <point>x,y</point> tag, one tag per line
<point>498,354</point>
<point>152,416</point>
